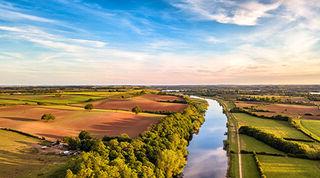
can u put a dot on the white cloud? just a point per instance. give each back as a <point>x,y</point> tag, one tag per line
<point>233,12</point>
<point>10,13</point>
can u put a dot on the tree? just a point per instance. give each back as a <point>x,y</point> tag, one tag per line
<point>47,117</point>
<point>84,135</point>
<point>88,106</point>
<point>136,109</point>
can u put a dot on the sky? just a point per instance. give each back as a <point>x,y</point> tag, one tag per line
<point>107,42</point>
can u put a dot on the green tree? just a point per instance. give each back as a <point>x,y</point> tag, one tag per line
<point>88,106</point>
<point>136,109</point>
<point>83,135</point>
<point>47,117</point>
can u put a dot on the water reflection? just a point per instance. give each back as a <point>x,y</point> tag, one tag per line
<point>206,157</point>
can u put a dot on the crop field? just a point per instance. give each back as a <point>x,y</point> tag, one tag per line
<point>284,167</point>
<point>280,128</point>
<point>18,157</point>
<point>71,120</point>
<point>312,125</point>
<point>292,110</point>
<point>251,144</point>
<point>147,102</point>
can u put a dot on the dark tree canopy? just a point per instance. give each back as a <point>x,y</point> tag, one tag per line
<point>47,117</point>
<point>136,109</point>
<point>88,106</point>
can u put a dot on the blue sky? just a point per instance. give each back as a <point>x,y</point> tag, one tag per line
<point>56,42</point>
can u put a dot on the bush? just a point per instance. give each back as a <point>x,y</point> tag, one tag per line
<point>88,107</point>
<point>136,109</point>
<point>47,117</point>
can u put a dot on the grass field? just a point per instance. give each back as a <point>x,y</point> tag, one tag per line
<point>249,167</point>
<point>18,157</point>
<point>280,128</point>
<point>285,167</point>
<point>312,125</point>
<point>251,144</point>
<point>48,99</point>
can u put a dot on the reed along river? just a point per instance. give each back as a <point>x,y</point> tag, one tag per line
<point>206,158</point>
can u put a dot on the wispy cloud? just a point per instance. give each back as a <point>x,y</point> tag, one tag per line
<point>10,13</point>
<point>229,11</point>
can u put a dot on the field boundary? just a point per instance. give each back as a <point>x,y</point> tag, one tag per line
<point>22,133</point>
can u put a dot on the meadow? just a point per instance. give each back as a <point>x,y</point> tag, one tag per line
<point>312,125</point>
<point>283,167</point>
<point>20,158</point>
<point>280,128</point>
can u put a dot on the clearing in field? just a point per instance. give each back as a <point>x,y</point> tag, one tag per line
<point>147,102</point>
<point>19,157</point>
<point>69,121</point>
<point>284,167</point>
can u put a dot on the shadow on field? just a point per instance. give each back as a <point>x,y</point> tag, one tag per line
<point>18,119</point>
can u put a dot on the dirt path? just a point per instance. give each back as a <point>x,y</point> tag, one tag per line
<point>239,153</point>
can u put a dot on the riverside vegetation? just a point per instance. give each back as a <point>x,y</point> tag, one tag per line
<point>159,152</point>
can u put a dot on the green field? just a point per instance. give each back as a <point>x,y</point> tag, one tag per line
<point>284,167</point>
<point>249,167</point>
<point>312,125</point>
<point>19,159</point>
<point>64,98</point>
<point>251,144</point>
<point>279,128</point>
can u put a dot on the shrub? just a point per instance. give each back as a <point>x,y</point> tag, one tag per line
<point>88,106</point>
<point>136,109</point>
<point>47,117</point>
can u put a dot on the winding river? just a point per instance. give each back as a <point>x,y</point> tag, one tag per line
<point>206,158</point>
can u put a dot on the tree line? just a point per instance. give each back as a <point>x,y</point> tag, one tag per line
<point>293,148</point>
<point>159,152</point>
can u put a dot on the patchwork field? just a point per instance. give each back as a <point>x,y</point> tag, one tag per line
<point>306,112</point>
<point>71,120</point>
<point>19,158</point>
<point>284,167</point>
<point>147,102</point>
<point>280,128</point>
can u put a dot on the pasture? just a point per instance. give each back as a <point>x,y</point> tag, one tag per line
<point>284,167</point>
<point>312,125</point>
<point>249,167</point>
<point>279,128</point>
<point>19,157</point>
<point>251,144</point>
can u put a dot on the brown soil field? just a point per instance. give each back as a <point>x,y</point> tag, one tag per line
<point>69,122</point>
<point>283,109</point>
<point>147,102</point>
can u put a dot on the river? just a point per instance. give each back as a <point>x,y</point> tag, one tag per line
<point>206,158</point>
